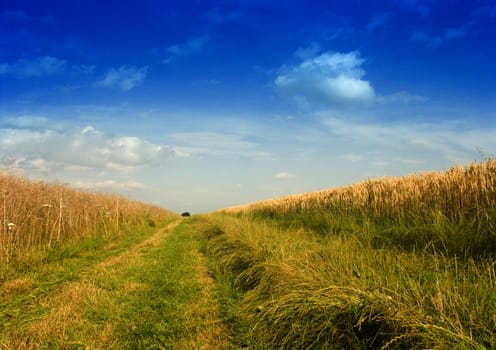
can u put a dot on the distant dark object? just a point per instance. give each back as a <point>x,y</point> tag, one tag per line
<point>185,214</point>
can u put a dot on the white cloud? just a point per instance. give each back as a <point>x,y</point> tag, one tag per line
<point>401,97</point>
<point>82,149</point>
<point>26,122</point>
<point>304,53</point>
<point>124,77</point>
<point>283,175</point>
<point>32,68</point>
<point>39,164</point>
<point>216,143</point>
<point>109,185</point>
<point>193,45</point>
<point>330,78</point>
<point>450,140</point>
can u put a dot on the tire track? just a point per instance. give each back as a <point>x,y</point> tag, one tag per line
<point>66,319</point>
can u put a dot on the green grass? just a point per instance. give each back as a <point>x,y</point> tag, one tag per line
<point>461,237</point>
<point>290,288</point>
<point>453,212</point>
<point>355,274</point>
<point>149,290</point>
<point>23,287</point>
<point>170,310</point>
<point>153,314</point>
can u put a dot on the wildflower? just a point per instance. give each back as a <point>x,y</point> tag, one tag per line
<point>10,226</point>
<point>46,206</point>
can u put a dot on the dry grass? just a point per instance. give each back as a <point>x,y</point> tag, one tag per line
<point>392,263</point>
<point>16,286</point>
<point>34,216</point>
<point>453,211</point>
<point>300,291</point>
<point>456,193</point>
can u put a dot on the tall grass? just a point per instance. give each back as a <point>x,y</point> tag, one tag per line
<point>392,263</point>
<point>35,216</point>
<point>454,211</point>
<point>297,290</point>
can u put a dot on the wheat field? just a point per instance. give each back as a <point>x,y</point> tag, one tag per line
<point>456,209</point>
<point>390,263</point>
<point>37,215</point>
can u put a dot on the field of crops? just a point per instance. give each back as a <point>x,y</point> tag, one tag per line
<point>35,216</point>
<point>394,263</point>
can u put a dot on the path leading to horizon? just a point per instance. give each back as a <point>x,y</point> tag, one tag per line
<point>155,293</point>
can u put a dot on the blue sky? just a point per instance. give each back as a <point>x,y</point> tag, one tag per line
<point>199,105</point>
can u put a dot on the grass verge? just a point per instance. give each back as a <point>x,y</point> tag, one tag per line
<point>293,289</point>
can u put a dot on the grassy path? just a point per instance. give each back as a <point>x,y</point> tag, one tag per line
<point>155,294</point>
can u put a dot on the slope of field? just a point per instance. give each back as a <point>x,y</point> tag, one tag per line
<point>453,211</point>
<point>395,263</point>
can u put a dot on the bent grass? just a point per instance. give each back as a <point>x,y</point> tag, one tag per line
<point>392,263</point>
<point>298,291</point>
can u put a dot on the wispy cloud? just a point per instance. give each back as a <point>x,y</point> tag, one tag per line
<point>83,69</point>
<point>449,140</point>
<point>25,122</point>
<point>401,97</point>
<point>35,67</point>
<point>217,143</point>
<point>434,41</point>
<point>307,52</point>
<point>109,185</point>
<point>191,46</point>
<point>431,41</point>
<point>330,78</point>
<point>378,20</point>
<point>283,175</point>
<point>124,78</point>
<point>39,147</point>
